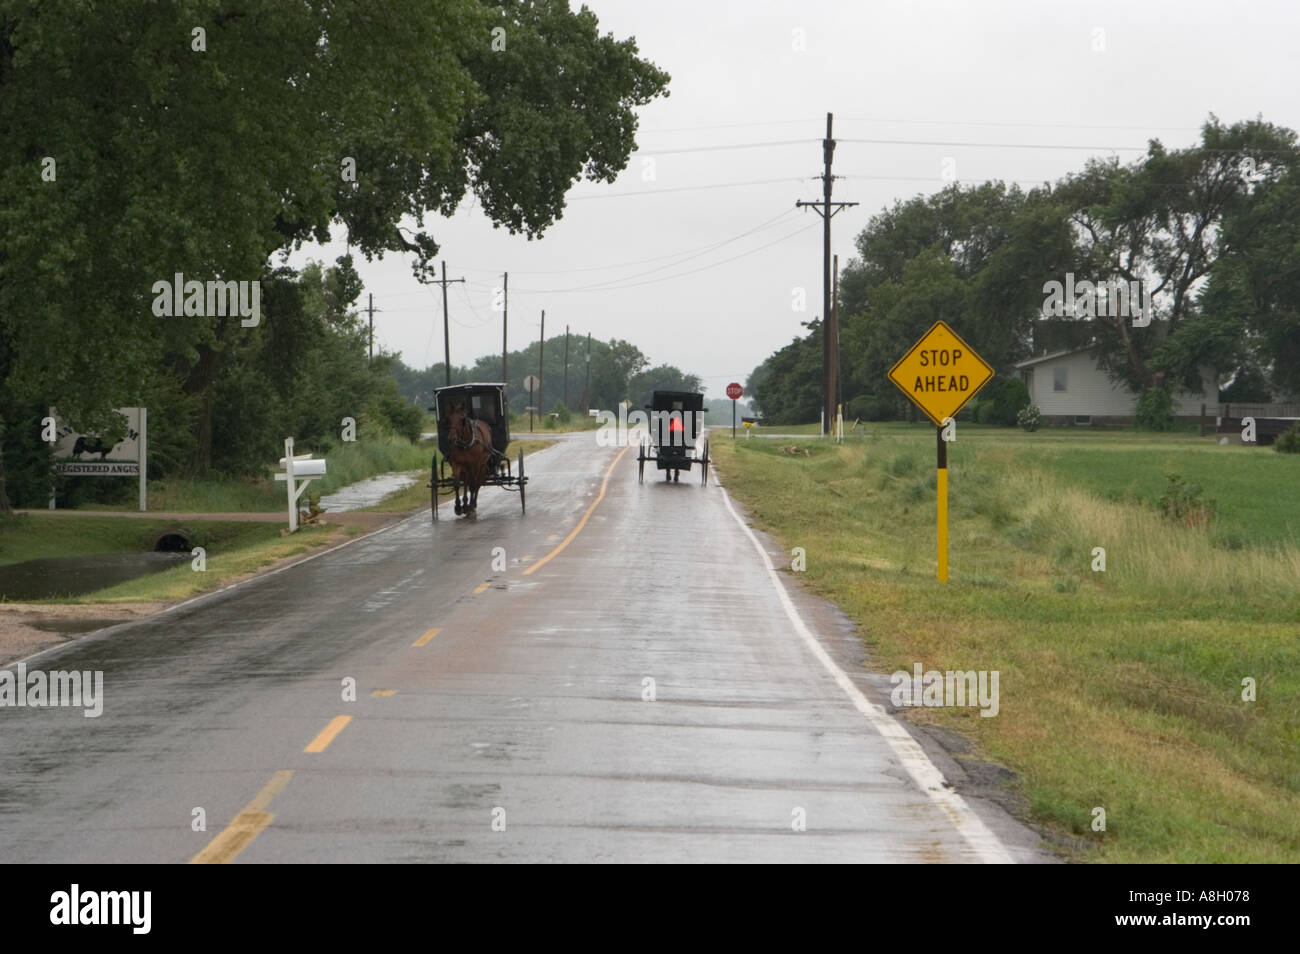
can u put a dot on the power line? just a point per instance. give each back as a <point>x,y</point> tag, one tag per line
<point>720,185</point>
<point>995,145</point>
<point>657,258</point>
<point>1008,124</point>
<point>682,257</point>
<point>723,148</point>
<point>651,281</point>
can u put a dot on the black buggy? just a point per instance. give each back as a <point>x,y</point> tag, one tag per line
<point>673,443</point>
<point>483,402</point>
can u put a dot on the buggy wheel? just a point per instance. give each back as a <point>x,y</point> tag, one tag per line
<point>704,464</point>
<point>523,507</point>
<point>640,463</point>
<point>433,488</point>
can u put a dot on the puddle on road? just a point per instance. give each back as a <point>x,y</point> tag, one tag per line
<point>365,493</point>
<point>72,576</point>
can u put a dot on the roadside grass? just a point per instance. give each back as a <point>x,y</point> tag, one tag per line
<point>416,496</point>
<point>34,536</point>
<point>232,550</point>
<point>1119,689</point>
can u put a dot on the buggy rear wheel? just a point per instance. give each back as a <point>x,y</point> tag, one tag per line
<point>640,466</point>
<point>704,464</point>
<point>433,488</point>
<point>523,507</point>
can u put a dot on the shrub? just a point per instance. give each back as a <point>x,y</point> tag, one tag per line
<point>1288,442</point>
<point>563,411</point>
<point>1155,410</point>
<point>1008,400</point>
<point>1182,503</point>
<point>1029,418</point>
<point>868,407</point>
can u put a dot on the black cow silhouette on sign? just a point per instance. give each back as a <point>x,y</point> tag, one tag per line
<point>91,445</point>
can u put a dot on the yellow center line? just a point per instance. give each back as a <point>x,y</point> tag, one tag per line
<point>480,588</point>
<point>327,734</point>
<point>583,522</point>
<point>425,638</point>
<point>248,824</point>
<point>383,693</point>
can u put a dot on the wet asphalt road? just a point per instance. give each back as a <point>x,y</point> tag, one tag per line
<point>526,711</point>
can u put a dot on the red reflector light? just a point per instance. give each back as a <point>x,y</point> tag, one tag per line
<point>675,425</point>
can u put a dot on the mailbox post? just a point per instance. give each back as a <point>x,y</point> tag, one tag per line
<point>298,472</point>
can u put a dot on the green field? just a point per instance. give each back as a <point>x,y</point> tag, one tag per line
<point>1120,689</point>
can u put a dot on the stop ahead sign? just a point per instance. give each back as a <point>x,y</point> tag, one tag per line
<point>734,391</point>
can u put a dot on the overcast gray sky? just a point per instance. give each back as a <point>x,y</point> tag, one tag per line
<point>697,265</point>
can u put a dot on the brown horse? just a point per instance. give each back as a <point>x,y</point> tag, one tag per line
<point>471,450</point>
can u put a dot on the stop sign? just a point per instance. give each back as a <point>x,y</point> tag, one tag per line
<point>734,391</point>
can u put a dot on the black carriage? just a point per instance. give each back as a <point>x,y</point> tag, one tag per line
<point>483,402</point>
<point>673,442</point>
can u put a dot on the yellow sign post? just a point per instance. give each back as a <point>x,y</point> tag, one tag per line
<point>940,374</point>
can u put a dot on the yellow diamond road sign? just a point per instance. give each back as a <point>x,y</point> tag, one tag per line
<point>941,373</point>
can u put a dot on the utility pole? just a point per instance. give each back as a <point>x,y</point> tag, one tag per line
<point>505,318</point>
<point>566,365</point>
<point>371,309</point>
<point>827,209</point>
<point>586,388</point>
<point>835,340</point>
<point>446,337</point>
<point>541,363</point>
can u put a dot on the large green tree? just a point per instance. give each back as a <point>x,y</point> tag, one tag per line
<point>199,137</point>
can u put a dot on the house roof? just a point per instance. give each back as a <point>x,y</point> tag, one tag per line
<point>1030,362</point>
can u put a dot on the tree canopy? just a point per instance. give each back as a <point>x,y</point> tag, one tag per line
<point>199,137</point>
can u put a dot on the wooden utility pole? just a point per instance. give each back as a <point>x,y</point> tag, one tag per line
<point>826,209</point>
<point>566,365</point>
<point>371,309</point>
<point>446,335</point>
<point>834,336</point>
<point>505,319</point>
<point>541,363</point>
<point>586,388</point>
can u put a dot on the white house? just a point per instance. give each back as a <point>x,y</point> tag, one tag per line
<point>1069,388</point>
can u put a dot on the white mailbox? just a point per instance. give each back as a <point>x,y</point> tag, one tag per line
<point>298,472</point>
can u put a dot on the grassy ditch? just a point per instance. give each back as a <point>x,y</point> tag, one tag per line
<point>1121,689</point>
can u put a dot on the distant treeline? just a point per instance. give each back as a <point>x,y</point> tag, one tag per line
<point>619,371</point>
<point>1211,232</point>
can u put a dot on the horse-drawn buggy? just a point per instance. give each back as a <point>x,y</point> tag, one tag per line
<point>673,442</point>
<point>473,432</point>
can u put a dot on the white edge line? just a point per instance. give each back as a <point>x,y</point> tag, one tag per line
<point>107,630</point>
<point>924,773</point>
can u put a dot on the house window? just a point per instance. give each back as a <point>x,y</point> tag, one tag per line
<point>1058,379</point>
<point>1083,420</point>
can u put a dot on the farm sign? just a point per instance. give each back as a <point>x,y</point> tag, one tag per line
<point>122,453</point>
<point>77,454</point>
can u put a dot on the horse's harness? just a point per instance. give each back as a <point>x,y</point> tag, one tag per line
<point>460,444</point>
